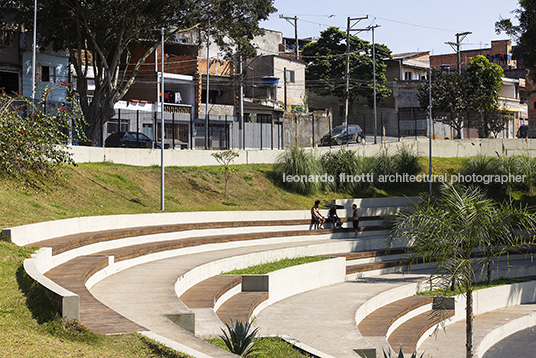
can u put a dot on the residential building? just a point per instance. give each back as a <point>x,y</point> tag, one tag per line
<point>10,62</point>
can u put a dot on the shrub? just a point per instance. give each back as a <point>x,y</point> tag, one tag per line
<point>406,161</point>
<point>300,162</point>
<point>382,164</point>
<point>33,142</point>
<point>483,166</point>
<point>345,162</point>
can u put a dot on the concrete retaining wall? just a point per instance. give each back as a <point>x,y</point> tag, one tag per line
<point>440,148</point>
<point>297,279</point>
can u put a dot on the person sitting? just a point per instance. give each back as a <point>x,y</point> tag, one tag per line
<point>334,218</point>
<point>316,217</point>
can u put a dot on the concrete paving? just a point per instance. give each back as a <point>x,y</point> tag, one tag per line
<point>323,319</point>
<point>450,341</point>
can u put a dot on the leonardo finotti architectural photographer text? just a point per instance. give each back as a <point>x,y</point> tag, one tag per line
<point>406,178</point>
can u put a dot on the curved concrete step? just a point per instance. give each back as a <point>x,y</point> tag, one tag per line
<point>378,322</point>
<point>408,333</point>
<point>240,306</point>
<point>207,292</point>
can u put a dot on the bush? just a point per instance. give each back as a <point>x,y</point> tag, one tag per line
<point>382,164</point>
<point>300,162</point>
<point>32,141</point>
<point>406,161</point>
<point>345,162</point>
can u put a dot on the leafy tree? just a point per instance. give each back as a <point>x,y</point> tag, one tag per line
<point>32,140</point>
<point>101,34</point>
<point>455,95</point>
<point>327,65</point>
<point>450,229</point>
<point>524,33</point>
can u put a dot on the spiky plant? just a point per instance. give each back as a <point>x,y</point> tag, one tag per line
<point>400,354</point>
<point>298,170</point>
<point>239,338</point>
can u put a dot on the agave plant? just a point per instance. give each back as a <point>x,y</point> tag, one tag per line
<point>239,339</point>
<point>400,354</point>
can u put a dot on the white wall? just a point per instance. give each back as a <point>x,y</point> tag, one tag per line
<point>440,148</point>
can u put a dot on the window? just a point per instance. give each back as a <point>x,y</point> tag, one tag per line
<point>5,37</point>
<point>48,74</point>
<point>291,76</point>
<point>407,76</point>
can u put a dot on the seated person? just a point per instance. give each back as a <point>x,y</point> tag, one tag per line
<point>334,218</point>
<point>316,217</point>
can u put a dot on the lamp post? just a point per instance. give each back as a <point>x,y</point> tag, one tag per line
<point>34,50</point>
<point>162,127</point>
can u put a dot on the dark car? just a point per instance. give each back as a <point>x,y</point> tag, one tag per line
<point>130,140</point>
<point>343,134</point>
<point>523,131</point>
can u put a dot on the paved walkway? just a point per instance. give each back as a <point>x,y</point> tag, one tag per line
<point>323,319</point>
<point>450,342</point>
<point>145,293</point>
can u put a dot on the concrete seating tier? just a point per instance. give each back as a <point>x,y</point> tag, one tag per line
<point>407,335</point>
<point>73,274</point>
<point>207,292</point>
<point>69,242</point>
<point>241,306</point>
<point>95,315</point>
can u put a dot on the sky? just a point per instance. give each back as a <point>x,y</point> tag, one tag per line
<point>405,26</point>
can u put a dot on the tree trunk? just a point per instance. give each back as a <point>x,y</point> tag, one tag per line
<point>469,323</point>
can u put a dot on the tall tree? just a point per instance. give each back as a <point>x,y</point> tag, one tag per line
<point>477,89</point>
<point>524,33</point>
<point>327,65</point>
<point>99,35</point>
<point>450,229</point>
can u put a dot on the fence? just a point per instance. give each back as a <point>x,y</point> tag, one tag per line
<point>186,131</point>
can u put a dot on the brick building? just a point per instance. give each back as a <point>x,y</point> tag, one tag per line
<point>499,53</point>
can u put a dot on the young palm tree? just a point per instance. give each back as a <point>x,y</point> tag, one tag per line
<point>457,231</point>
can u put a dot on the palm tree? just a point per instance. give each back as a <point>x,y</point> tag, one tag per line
<point>459,231</point>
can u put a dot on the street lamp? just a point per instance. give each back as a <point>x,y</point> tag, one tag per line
<point>162,127</point>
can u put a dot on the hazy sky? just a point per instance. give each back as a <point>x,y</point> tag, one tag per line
<point>405,26</point>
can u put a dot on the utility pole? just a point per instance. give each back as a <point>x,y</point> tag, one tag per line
<point>456,47</point>
<point>285,86</point>
<point>207,123</point>
<point>347,72</point>
<point>241,100</point>
<point>295,18</point>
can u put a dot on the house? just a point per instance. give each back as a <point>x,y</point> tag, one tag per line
<point>186,96</point>
<point>16,60</point>
<point>514,82</point>
<point>10,62</point>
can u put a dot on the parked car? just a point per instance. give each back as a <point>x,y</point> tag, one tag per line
<point>523,131</point>
<point>343,134</point>
<point>130,140</point>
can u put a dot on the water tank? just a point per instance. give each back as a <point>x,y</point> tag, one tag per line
<point>270,81</point>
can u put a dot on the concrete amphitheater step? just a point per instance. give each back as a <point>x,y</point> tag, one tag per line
<point>240,306</point>
<point>377,323</point>
<point>93,314</point>
<point>373,266</point>
<point>207,292</point>
<point>408,333</point>
<point>69,242</point>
